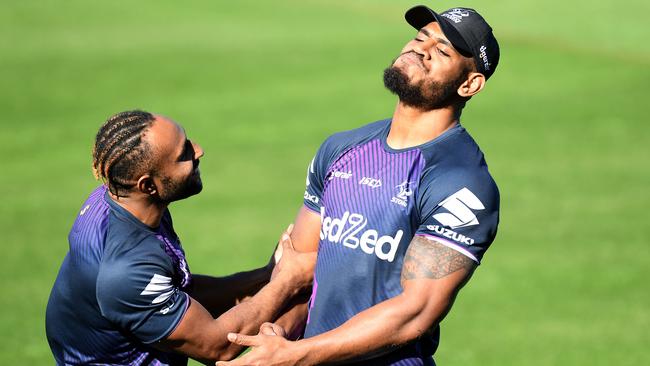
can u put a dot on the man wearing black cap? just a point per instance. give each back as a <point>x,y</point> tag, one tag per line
<point>401,211</point>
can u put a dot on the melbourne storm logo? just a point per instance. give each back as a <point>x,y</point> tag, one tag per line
<point>456,15</point>
<point>405,191</point>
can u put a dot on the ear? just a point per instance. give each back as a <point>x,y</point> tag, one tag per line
<point>146,185</point>
<point>473,84</point>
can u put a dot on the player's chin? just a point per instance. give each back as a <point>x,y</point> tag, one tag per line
<point>197,184</point>
<point>193,186</point>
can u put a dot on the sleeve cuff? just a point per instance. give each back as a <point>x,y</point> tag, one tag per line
<point>451,245</point>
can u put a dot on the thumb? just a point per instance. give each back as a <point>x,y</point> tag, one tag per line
<point>242,340</point>
<point>272,329</point>
<point>286,242</point>
<point>277,255</point>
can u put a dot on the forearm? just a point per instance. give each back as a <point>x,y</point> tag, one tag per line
<point>432,275</point>
<point>218,294</point>
<point>247,316</point>
<point>294,316</point>
<point>204,338</point>
<point>375,331</point>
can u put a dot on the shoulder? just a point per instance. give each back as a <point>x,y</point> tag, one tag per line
<point>462,182</point>
<point>133,261</point>
<point>338,143</point>
<point>124,274</point>
<point>457,170</point>
<point>138,291</point>
<point>87,235</point>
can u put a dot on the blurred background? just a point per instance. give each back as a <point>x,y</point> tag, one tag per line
<point>260,84</point>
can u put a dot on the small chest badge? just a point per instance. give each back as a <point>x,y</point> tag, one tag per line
<point>405,190</point>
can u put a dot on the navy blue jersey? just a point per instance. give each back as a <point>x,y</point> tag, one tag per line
<point>372,200</point>
<point>120,288</point>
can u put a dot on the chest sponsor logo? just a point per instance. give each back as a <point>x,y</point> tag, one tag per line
<point>404,192</point>
<point>161,287</point>
<point>460,206</point>
<point>351,231</point>
<point>370,182</point>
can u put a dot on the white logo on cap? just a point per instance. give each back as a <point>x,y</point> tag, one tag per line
<point>483,57</point>
<point>456,15</point>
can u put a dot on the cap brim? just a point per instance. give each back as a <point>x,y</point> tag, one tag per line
<point>419,16</point>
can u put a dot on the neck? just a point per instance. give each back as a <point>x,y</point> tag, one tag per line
<point>144,209</point>
<point>412,127</point>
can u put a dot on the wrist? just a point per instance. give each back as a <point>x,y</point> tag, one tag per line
<point>292,281</point>
<point>305,355</point>
<point>302,281</point>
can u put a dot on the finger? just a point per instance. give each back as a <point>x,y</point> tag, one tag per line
<point>289,229</point>
<point>235,362</point>
<point>242,340</point>
<point>278,330</point>
<point>241,361</point>
<point>286,241</point>
<point>267,329</point>
<point>278,253</point>
<point>272,329</point>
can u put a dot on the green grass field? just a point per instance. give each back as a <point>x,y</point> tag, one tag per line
<point>563,124</point>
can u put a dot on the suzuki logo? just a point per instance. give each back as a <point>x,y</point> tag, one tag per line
<point>460,206</point>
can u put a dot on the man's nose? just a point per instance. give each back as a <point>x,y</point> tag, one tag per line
<point>198,150</point>
<point>422,48</point>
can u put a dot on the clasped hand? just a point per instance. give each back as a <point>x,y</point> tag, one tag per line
<point>269,348</point>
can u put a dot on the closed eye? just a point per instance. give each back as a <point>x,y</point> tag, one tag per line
<point>188,151</point>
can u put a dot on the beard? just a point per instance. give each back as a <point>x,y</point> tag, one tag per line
<point>175,190</point>
<point>425,94</point>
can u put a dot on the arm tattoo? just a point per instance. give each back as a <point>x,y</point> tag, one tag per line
<point>426,258</point>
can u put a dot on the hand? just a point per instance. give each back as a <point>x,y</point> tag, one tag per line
<point>267,350</point>
<point>277,252</point>
<point>298,267</point>
<point>272,329</point>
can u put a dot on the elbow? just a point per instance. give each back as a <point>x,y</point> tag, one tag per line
<point>225,354</point>
<point>422,317</point>
<point>210,352</point>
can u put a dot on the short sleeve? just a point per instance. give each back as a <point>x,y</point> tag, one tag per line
<point>315,181</point>
<point>138,294</point>
<point>464,217</point>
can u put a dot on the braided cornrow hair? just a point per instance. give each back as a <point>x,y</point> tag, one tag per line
<point>120,154</point>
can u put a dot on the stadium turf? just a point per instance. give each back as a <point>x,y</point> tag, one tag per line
<point>260,84</point>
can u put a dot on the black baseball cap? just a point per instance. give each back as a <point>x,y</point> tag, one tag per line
<point>467,31</point>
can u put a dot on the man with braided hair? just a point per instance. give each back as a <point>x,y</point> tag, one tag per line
<point>124,294</point>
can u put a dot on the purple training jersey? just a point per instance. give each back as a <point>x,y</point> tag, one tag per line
<point>120,288</point>
<point>372,200</point>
